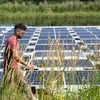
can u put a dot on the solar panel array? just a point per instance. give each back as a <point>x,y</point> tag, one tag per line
<point>37,41</point>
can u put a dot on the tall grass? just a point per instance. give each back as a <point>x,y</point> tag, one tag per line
<point>29,10</point>
<point>51,7</point>
<point>53,88</point>
<point>35,16</point>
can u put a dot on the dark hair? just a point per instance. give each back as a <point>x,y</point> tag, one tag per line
<point>20,26</point>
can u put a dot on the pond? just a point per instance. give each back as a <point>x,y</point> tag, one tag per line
<point>53,22</point>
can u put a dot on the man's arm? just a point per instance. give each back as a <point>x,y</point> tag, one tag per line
<point>20,60</point>
<point>13,47</point>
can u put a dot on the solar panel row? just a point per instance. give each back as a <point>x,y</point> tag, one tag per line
<point>36,43</point>
<point>71,77</point>
<point>67,63</point>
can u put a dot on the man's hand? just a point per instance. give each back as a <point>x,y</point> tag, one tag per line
<point>31,67</point>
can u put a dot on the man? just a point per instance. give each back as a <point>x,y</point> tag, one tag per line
<point>11,57</point>
<point>11,60</point>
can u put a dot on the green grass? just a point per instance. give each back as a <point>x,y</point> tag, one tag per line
<point>50,10</point>
<point>32,15</point>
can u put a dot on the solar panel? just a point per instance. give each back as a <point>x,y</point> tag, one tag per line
<point>79,28</point>
<point>96,32</point>
<point>90,27</point>
<point>47,30</point>
<point>62,34</point>
<point>1,37</point>
<point>42,47</point>
<point>76,53</point>
<point>9,33</point>
<point>78,63</point>
<point>90,41</point>
<point>60,28</point>
<point>23,41</point>
<point>43,41</point>
<point>84,63</point>
<point>33,79</point>
<point>82,77</point>
<point>64,37</point>
<point>44,63</point>
<point>34,44</point>
<point>2,29</point>
<point>1,76</point>
<point>22,47</point>
<point>30,29</point>
<point>47,75</point>
<point>66,54</point>
<point>47,34</point>
<point>98,35</point>
<point>46,37</point>
<point>40,54</point>
<point>20,53</point>
<point>29,48</point>
<point>6,36</point>
<point>1,53</point>
<point>82,33</point>
<point>0,41</point>
<point>1,62</point>
<point>26,37</point>
<point>70,47</point>
<point>47,47</point>
<point>94,47</point>
<point>40,41</point>
<point>26,58</point>
<point>88,36</point>
<point>1,47</point>
<point>67,63</point>
<point>67,41</point>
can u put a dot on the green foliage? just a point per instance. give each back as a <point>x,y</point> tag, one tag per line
<point>49,7</point>
<point>14,87</point>
<point>91,93</point>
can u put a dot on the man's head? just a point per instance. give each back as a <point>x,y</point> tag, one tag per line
<point>19,30</point>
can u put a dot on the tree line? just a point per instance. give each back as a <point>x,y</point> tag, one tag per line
<point>37,1</point>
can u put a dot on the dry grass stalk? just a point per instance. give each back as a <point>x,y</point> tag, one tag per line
<point>14,86</point>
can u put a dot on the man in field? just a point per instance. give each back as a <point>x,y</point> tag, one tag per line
<point>11,59</point>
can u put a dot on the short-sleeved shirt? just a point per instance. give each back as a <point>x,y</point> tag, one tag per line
<point>10,46</point>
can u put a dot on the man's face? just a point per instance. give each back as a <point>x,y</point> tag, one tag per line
<point>20,33</point>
